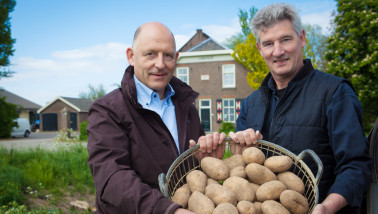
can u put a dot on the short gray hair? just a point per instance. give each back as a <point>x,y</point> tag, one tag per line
<point>272,14</point>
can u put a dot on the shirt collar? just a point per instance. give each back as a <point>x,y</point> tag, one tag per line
<point>145,94</point>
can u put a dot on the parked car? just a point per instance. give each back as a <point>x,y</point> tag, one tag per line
<point>21,127</point>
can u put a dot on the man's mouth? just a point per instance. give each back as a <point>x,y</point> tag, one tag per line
<point>280,60</point>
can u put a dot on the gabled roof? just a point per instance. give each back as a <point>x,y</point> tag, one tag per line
<point>17,100</point>
<point>201,42</point>
<point>79,104</point>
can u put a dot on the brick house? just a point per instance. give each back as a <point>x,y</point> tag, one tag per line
<point>25,108</point>
<point>209,69</point>
<point>64,113</point>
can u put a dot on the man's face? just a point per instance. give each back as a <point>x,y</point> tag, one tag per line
<point>154,57</point>
<point>282,49</point>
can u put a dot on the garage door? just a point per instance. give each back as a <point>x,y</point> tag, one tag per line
<point>50,122</point>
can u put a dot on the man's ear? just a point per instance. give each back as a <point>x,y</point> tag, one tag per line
<point>130,56</point>
<point>177,55</point>
<point>303,38</point>
<point>258,47</point>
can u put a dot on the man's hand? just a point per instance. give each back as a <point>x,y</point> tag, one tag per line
<point>183,211</point>
<point>333,203</point>
<point>209,144</point>
<point>246,138</point>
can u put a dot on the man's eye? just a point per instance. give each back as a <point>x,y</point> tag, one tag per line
<point>267,44</point>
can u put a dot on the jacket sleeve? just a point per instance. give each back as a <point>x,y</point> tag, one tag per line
<point>349,144</point>
<point>118,186</point>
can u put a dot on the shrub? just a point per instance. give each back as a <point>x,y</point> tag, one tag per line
<point>226,127</point>
<point>8,112</point>
<point>11,180</point>
<point>83,131</point>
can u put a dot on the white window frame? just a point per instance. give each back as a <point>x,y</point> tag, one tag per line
<point>179,75</point>
<point>205,107</point>
<point>232,111</point>
<point>228,69</point>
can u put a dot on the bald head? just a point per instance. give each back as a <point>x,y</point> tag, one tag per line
<point>151,28</point>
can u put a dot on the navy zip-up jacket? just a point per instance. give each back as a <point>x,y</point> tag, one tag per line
<point>321,112</point>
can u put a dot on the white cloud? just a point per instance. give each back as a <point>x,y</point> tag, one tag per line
<point>323,19</point>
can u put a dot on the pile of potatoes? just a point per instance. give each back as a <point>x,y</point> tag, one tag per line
<point>246,183</point>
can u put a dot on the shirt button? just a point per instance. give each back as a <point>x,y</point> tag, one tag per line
<point>155,95</point>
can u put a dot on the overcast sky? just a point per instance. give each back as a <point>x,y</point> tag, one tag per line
<point>63,46</point>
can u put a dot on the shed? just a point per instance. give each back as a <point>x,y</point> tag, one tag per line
<point>64,113</point>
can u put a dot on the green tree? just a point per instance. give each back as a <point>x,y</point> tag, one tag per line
<point>352,51</point>
<point>6,41</point>
<point>8,112</point>
<point>94,93</point>
<point>317,40</point>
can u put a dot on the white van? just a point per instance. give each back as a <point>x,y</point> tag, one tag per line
<point>21,128</point>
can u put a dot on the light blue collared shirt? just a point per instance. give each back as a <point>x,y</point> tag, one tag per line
<point>150,100</point>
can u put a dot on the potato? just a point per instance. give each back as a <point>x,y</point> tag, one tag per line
<point>246,207</point>
<point>273,207</point>
<point>225,208</point>
<point>280,163</point>
<point>238,171</point>
<point>212,181</point>
<point>254,187</point>
<point>253,155</point>
<point>220,194</point>
<point>200,203</point>
<point>259,174</point>
<point>182,195</point>
<point>241,187</point>
<point>214,168</point>
<point>234,161</point>
<point>294,202</point>
<point>258,206</point>
<point>291,181</point>
<point>196,181</point>
<point>270,190</point>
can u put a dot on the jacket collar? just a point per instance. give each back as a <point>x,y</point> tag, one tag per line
<point>306,69</point>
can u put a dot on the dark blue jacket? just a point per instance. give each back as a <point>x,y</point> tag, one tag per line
<point>321,112</point>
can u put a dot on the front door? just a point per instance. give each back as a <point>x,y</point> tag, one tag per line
<point>205,114</point>
<point>73,121</point>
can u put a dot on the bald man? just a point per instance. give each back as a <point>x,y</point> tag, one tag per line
<point>137,131</point>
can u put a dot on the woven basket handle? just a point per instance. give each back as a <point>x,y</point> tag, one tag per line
<point>317,160</point>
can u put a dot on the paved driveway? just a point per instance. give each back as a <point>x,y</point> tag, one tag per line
<point>36,139</point>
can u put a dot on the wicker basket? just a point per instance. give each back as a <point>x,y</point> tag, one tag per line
<point>188,161</point>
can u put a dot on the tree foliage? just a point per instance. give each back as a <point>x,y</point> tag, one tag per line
<point>8,112</point>
<point>316,41</point>
<point>94,93</point>
<point>352,51</point>
<point>6,41</point>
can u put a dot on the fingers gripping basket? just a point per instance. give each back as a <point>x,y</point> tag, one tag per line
<point>189,161</point>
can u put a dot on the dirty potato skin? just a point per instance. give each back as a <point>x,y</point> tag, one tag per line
<point>258,206</point>
<point>220,194</point>
<point>253,155</point>
<point>182,195</point>
<point>235,160</point>
<point>278,163</point>
<point>270,190</point>
<point>294,202</point>
<point>291,181</point>
<point>197,181</point>
<point>238,171</point>
<point>246,207</point>
<point>214,168</point>
<point>241,187</point>
<point>273,207</point>
<point>200,203</point>
<point>259,174</point>
<point>225,208</point>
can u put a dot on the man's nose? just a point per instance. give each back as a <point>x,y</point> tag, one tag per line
<point>278,50</point>
<point>159,63</point>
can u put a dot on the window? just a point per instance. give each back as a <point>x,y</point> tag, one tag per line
<point>183,74</point>
<point>228,76</point>
<point>229,110</point>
